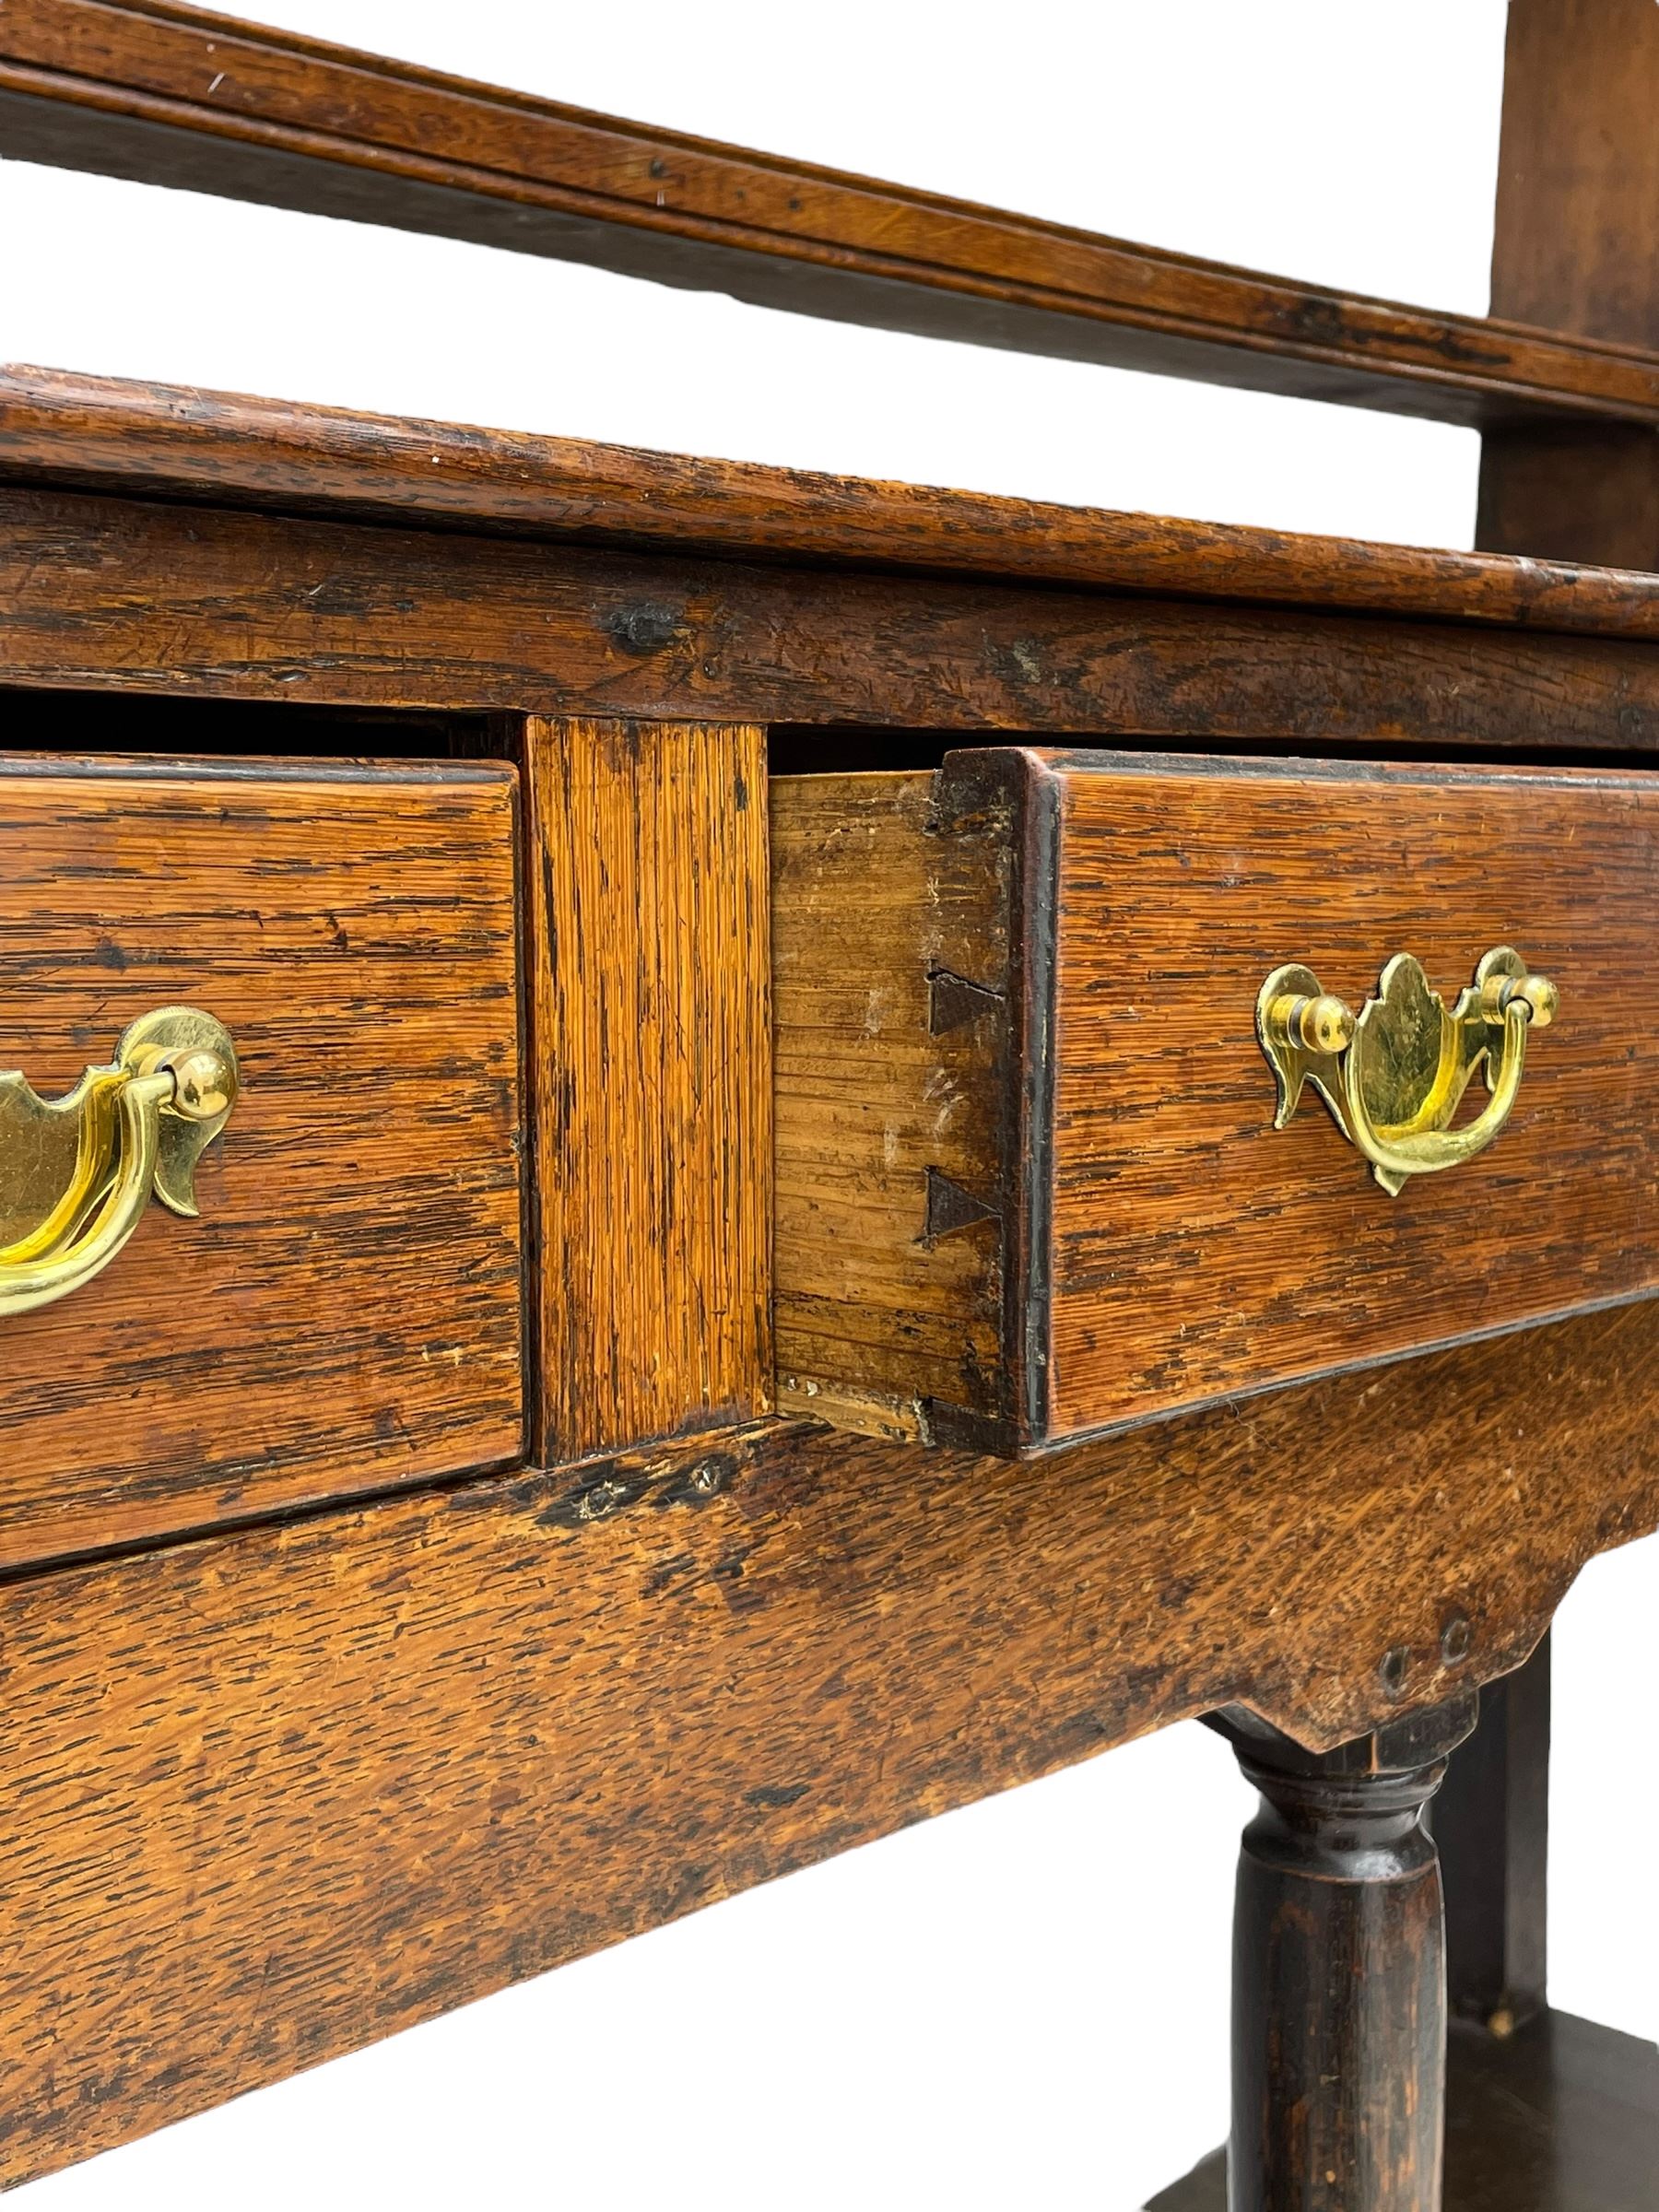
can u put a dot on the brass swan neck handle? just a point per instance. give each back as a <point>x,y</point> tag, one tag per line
<point>125,1133</point>
<point>1395,1074</point>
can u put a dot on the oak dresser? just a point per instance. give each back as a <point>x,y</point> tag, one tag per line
<point>703,1159</point>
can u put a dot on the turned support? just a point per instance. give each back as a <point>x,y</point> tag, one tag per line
<point>1339,1974</point>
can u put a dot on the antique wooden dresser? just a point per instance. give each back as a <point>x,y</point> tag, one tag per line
<point>704,1159</point>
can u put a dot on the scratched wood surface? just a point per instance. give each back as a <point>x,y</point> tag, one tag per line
<point>172,95</point>
<point>226,449</point>
<point>652,1059</point>
<point>272,1795</point>
<point>345,1313</point>
<point>162,598</point>
<point>1197,1251</point>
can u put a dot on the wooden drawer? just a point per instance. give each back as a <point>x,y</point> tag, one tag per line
<point>345,1312</point>
<point>1029,1185</point>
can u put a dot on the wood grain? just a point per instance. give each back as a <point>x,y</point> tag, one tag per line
<point>1196,1250</point>
<point>162,599</point>
<point>1580,78</point>
<point>182,442</point>
<point>1339,1972</point>
<point>345,1314</point>
<point>272,1795</point>
<point>1104,1116</point>
<point>1562,2116</point>
<point>890,949</point>
<point>175,96</point>
<point>1491,1821</point>
<point>648,902</point>
<point>1576,246</point>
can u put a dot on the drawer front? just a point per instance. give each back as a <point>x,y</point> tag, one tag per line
<point>1085,1176</point>
<point>345,1312</point>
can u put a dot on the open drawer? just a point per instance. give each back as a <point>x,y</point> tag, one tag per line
<point>1037,1015</point>
<point>344,1313</point>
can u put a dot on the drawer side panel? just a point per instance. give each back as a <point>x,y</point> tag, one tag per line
<point>891,993</point>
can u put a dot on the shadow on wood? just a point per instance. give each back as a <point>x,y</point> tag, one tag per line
<point>1562,2117</point>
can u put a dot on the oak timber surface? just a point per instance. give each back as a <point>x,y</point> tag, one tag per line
<point>102,593</point>
<point>1579,170</point>
<point>271,1796</point>
<point>650,1032</point>
<point>949,1241</point>
<point>1198,1251</point>
<point>888,1260</point>
<point>175,96</point>
<point>227,449</point>
<point>1562,2117</point>
<point>346,1311</point>
<point>1574,246</point>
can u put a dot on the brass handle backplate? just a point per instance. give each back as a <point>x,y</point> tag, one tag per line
<point>1393,1075</point>
<point>77,1174</point>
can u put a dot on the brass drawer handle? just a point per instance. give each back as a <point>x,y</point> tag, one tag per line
<point>1393,1076</point>
<point>139,1126</point>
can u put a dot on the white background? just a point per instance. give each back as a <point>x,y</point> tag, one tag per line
<point>1021,2005</point>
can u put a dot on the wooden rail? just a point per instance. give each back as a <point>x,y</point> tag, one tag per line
<point>172,95</point>
<point>174,442</point>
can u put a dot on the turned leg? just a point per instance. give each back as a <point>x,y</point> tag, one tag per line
<point>1339,1980</point>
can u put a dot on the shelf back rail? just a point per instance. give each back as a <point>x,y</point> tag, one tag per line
<point>175,96</point>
